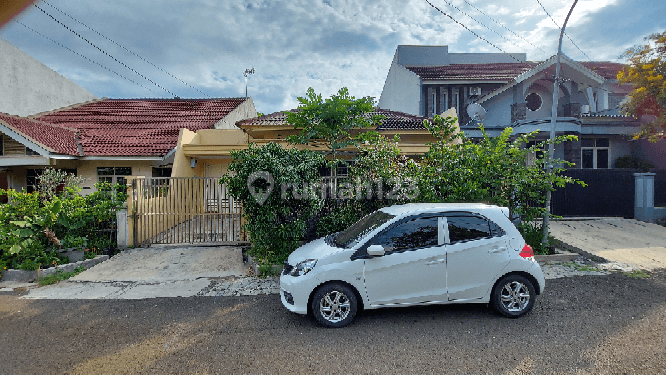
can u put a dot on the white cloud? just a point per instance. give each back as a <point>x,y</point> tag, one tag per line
<point>296,44</point>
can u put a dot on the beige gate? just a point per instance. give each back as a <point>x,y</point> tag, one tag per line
<point>179,210</point>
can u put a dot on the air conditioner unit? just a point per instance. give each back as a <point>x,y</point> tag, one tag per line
<point>474,91</point>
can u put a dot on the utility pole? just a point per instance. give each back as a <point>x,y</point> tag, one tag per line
<point>553,122</point>
<point>251,71</point>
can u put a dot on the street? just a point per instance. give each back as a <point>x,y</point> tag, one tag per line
<point>585,324</point>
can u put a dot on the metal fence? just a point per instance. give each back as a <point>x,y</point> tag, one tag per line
<point>177,210</point>
<point>610,192</point>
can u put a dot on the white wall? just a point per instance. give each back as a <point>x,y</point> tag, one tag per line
<point>244,111</point>
<point>402,90</point>
<point>28,87</point>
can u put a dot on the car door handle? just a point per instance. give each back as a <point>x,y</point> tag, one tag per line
<point>496,250</point>
<point>429,263</point>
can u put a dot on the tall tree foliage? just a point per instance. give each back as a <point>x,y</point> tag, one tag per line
<point>647,72</point>
<point>331,121</point>
<point>275,186</point>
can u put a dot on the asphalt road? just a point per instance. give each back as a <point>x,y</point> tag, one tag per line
<point>587,324</point>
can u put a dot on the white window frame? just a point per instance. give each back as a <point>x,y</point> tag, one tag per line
<point>434,103</point>
<point>594,149</point>
<point>444,98</point>
<point>114,177</point>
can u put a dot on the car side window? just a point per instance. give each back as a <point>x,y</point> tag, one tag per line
<point>414,233</point>
<point>468,228</point>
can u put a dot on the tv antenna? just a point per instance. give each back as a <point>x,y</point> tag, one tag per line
<point>247,73</point>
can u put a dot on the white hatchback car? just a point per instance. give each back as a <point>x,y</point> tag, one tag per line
<point>414,254</point>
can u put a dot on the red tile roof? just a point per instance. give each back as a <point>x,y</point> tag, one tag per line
<point>138,127</point>
<point>606,69</point>
<point>53,138</point>
<point>392,120</point>
<point>502,72</point>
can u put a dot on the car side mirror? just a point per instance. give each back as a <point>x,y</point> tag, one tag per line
<point>376,250</point>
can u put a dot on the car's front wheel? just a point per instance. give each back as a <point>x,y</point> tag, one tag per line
<point>334,305</point>
<point>513,296</point>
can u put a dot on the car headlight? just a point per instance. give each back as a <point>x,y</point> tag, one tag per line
<point>303,267</point>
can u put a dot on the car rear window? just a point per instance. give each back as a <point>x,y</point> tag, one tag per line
<point>467,228</point>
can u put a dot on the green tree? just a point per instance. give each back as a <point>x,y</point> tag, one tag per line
<point>331,121</point>
<point>277,187</point>
<point>647,72</point>
<point>493,170</point>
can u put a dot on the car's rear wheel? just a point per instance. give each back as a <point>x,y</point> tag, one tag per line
<point>513,296</point>
<point>334,305</point>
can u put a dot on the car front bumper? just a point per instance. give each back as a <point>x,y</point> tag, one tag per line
<point>295,292</point>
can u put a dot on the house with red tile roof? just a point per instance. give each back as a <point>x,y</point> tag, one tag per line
<point>109,139</point>
<point>213,147</point>
<point>507,90</point>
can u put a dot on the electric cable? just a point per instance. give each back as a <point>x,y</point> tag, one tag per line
<point>104,52</point>
<point>514,33</point>
<point>567,35</point>
<point>468,29</point>
<point>78,54</point>
<point>126,49</point>
<point>480,23</point>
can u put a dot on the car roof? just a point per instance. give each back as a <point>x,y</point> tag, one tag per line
<point>415,208</point>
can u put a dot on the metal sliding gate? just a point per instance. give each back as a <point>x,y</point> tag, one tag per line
<point>184,210</point>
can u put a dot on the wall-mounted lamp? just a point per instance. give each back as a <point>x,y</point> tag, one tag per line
<point>193,163</point>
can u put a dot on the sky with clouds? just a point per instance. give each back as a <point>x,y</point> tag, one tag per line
<point>296,44</point>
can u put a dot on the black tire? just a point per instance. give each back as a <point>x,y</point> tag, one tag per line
<point>334,305</point>
<point>513,296</point>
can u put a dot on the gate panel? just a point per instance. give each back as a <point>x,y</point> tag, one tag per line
<point>184,210</point>
<point>610,192</point>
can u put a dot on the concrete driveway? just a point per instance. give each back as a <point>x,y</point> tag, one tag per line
<point>626,241</point>
<point>151,272</point>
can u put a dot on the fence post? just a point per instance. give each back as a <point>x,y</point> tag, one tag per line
<point>129,214</point>
<point>121,236</point>
<point>644,202</point>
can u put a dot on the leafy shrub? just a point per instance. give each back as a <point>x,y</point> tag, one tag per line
<point>633,163</point>
<point>276,225</point>
<point>33,225</point>
<point>533,235</point>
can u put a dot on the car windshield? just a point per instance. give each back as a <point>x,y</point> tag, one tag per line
<point>350,236</point>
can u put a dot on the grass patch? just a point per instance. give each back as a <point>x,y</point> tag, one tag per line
<point>58,276</point>
<point>581,267</point>
<point>638,274</point>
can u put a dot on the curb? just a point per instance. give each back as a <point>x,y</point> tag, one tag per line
<point>580,251</point>
<point>560,257</point>
<point>29,276</point>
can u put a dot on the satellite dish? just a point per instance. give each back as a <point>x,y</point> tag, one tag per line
<point>476,111</point>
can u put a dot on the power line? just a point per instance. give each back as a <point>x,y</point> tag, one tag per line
<point>527,41</point>
<point>92,61</point>
<point>104,52</point>
<point>480,23</point>
<point>475,34</point>
<point>114,42</point>
<point>567,35</point>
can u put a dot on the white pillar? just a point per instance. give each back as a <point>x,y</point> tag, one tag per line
<point>644,196</point>
<point>590,99</point>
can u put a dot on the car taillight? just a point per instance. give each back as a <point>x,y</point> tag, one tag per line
<point>527,252</point>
